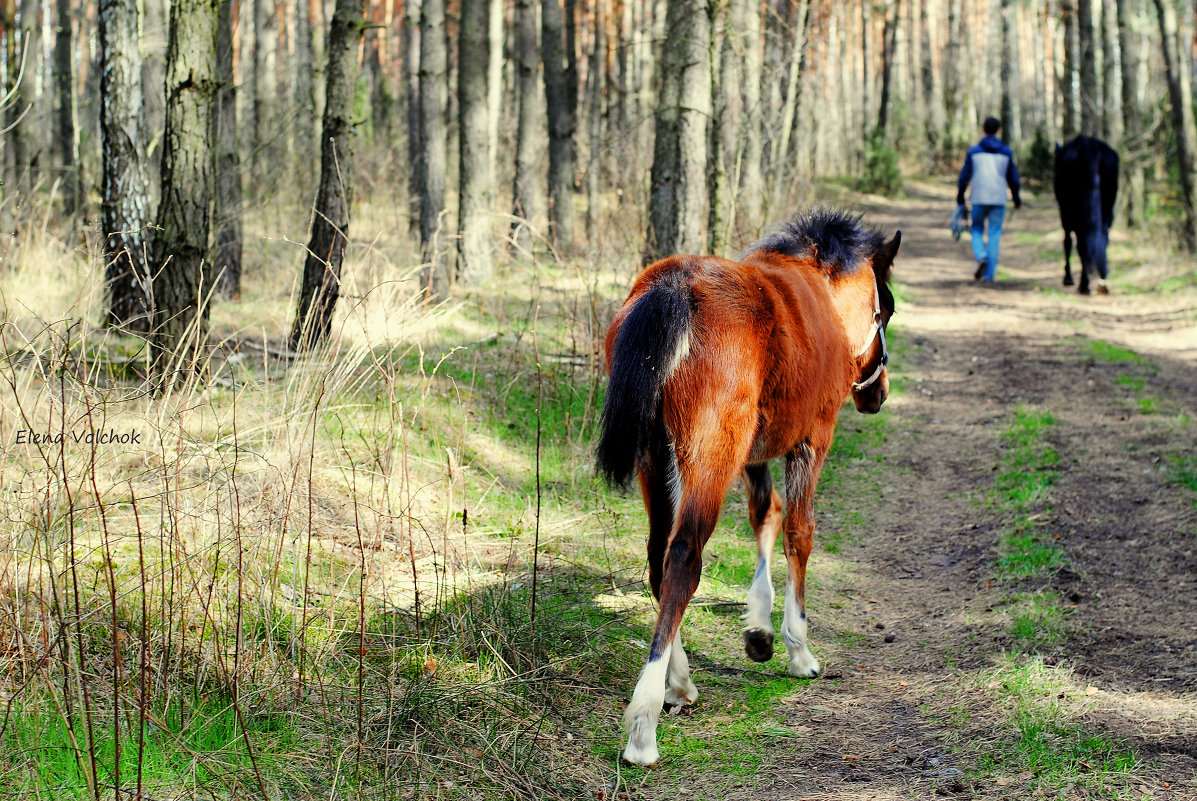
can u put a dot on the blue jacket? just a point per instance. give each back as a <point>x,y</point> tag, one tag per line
<point>989,166</point>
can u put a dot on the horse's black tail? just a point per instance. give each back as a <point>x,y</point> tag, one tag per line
<point>653,339</point>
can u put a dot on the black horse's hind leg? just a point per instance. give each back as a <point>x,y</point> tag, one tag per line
<point>765,514</point>
<point>1067,257</point>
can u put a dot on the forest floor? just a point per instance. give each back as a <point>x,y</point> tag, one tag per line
<point>1004,591</point>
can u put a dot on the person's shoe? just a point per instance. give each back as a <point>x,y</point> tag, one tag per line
<point>980,271</point>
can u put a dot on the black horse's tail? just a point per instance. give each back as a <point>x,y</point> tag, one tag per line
<point>652,340</point>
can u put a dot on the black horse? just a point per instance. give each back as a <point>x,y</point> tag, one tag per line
<point>1086,183</point>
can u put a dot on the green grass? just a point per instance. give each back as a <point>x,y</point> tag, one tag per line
<point>1038,620</point>
<point>202,748</point>
<point>1046,742</point>
<point>1148,405</point>
<point>1102,351</point>
<point>1133,382</point>
<point>1028,552</point>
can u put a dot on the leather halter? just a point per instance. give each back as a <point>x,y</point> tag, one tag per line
<point>878,331</point>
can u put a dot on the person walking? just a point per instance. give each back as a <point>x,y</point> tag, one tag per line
<point>989,167</point>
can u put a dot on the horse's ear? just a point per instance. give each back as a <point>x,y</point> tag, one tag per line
<point>885,256</point>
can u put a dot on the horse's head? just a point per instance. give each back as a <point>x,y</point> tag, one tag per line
<point>871,389</point>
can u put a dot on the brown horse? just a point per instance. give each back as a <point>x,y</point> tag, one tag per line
<point>716,367</point>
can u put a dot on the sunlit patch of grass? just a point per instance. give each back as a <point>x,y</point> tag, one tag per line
<point>1148,405</point>
<point>1038,620</point>
<point>1102,351</point>
<point>1046,741</point>
<point>1133,382</point>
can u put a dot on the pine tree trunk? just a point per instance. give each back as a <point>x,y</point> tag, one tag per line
<point>678,200</point>
<point>1069,75</point>
<point>305,92</point>
<point>595,75</point>
<point>68,142</point>
<point>1090,91</point>
<point>181,285</point>
<point>723,65</point>
<point>265,69</point>
<point>1180,100</point>
<point>1111,89</point>
<point>434,100</point>
<point>123,184</point>
<point>561,127</point>
<point>528,199</point>
<point>953,80</point>
<point>411,64</point>
<point>1132,118</point>
<point>154,32</point>
<point>330,225</point>
<point>226,213</point>
<point>494,84</point>
<point>752,184</point>
<point>1011,111</point>
<point>474,265</point>
<point>16,56</point>
<point>889,46</point>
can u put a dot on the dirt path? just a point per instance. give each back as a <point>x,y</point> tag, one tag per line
<point>913,625</point>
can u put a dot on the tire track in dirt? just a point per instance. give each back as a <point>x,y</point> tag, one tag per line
<point>911,625</point>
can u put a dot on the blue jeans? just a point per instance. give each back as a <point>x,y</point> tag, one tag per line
<point>981,250</point>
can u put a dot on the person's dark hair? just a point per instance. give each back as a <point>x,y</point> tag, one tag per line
<point>991,126</point>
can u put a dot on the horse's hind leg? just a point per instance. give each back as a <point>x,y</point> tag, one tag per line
<point>765,513</point>
<point>802,473</point>
<point>1067,257</point>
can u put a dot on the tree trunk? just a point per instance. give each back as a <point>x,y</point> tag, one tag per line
<point>123,183</point>
<point>932,80</point>
<point>180,287</point>
<point>1132,118</point>
<point>561,127</point>
<point>265,85</point>
<point>474,265</point>
<point>722,59</point>
<point>752,184</point>
<point>528,199</point>
<point>1111,90</point>
<point>411,63</point>
<point>595,77</point>
<point>494,85</point>
<point>1071,93</point>
<point>434,100</point>
<point>1180,100</point>
<point>678,201</point>
<point>153,90</point>
<point>330,225</point>
<point>68,141</point>
<point>226,213</point>
<point>1090,91</point>
<point>953,80</point>
<point>16,55</point>
<point>889,45</point>
<point>1011,91</point>
<point>305,92</point>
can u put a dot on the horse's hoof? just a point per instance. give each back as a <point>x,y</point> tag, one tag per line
<point>1068,280</point>
<point>1102,289</point>
<point>758,644</point>
<point>1082,290</point>
<point>644,756</point>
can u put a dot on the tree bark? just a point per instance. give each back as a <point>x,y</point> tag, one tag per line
<point>494,84</point>
<point>528,199</point>
<point>411,63</point>
<point>595,75</point>
<point>1180,100</point>
<point>68,140</point>
<point>153,90</point>
<point>1111,89</point>
<point>16,47</point>
<point>1011,110</point>
<point>123,183</point>
<point>1132,118</point>
<point>752,184</point>
<point>181,287</point>
<point>226,213</point>
<point>1071,94</point>
<point>330,225</point>
<point>1090,91</point>
<point>724,66</point>
<point>305,91</point>
<point>561,127</point>
<point>265,87</point>
<point>474,265</point>
<point>678,200</point>
<point>434,100</point>
<point>889,46</point>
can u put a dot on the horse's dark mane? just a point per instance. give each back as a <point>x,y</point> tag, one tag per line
<point>839,239</point>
